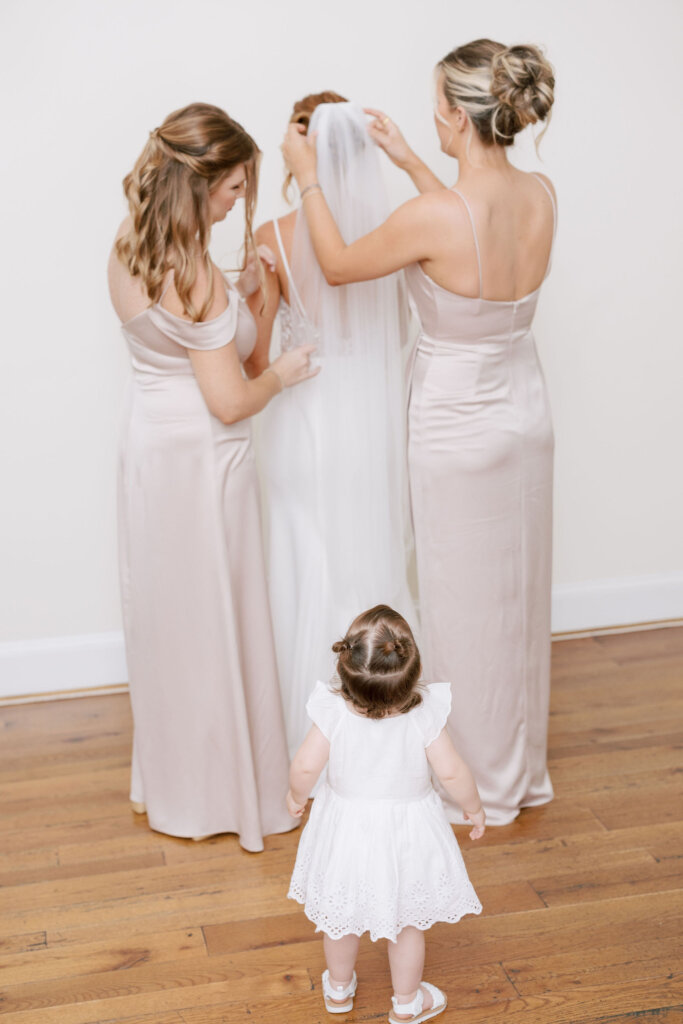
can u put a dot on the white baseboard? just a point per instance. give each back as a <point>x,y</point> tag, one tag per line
<point>36,668</point>
<point>59,665</point>
<point>609,604</point>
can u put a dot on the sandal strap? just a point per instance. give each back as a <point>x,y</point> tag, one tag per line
<point>335,993</point>
<point>409,1008</point>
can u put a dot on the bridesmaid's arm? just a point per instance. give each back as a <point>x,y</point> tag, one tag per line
<point>309,761</point>
<point>389,137</point>
<point>263,308</point>
<point>412,233</point>
<point>228,396</point>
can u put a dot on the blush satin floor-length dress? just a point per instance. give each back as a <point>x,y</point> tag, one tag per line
<point>481,476</point>
<point>209,752</point>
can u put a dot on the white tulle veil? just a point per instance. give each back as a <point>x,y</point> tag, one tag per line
<point>341,436</point>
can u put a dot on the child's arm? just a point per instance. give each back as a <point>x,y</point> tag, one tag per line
<point>309,761</point>
<point>457,780</point>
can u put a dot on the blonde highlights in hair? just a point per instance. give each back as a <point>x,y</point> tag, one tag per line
<point>501,89</point>
<point>168,191</point>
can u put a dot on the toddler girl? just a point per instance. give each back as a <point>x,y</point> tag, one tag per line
<point>377,853</point>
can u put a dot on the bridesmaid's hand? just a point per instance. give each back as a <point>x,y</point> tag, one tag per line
<point>388,136</point>
<point>295,366</point>
<point>250,279</point>
<point>298,150</point>
<point>478,819</point>
<point>294,808</point>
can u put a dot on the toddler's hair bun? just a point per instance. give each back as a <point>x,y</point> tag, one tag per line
<point>393,646</point>
<point>341,645</point>
<point>523,82</point>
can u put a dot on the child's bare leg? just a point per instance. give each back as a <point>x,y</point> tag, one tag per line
<point>406,962</point>
<point>341,955</point>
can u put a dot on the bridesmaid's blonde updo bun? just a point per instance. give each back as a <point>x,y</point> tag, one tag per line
<point>502,89</point>
<point>183,160</point>
<point>379,664</point>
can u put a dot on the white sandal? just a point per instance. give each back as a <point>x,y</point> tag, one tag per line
<point>346,994</point>
<point>439,1003</point>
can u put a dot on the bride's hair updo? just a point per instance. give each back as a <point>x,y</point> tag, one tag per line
<point>183,161</point>
<point>301,114</point>
<point>502,89</point>
<point>379,664</point>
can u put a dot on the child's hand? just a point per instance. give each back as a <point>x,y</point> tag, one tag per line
<point>294,808</point>
<point>478,819</point>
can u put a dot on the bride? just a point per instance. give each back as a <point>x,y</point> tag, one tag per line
<point>333,451</point>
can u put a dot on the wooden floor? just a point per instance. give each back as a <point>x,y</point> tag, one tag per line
<point>101,920</point>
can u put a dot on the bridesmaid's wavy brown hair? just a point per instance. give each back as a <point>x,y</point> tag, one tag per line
<point>302,112</point>
<point>379,664</point>
<point>168,190</point>
<point>501,88</point>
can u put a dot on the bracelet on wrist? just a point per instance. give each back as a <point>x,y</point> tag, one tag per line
<point>269,369</point>
<point>315,187</point>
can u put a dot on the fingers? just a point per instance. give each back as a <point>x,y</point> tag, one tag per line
<point>266,254</point>
<point>382,119</point>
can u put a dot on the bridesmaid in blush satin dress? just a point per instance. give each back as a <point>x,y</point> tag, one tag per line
<point>209,750</point>
<point>480,435</point>
<point>481,480</point>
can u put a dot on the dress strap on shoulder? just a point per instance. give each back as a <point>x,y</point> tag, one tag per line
<point>540,180</point>
<point>285,263</point>
<point>474,233</point>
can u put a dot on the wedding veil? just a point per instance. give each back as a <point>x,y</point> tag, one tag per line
<point>361,490</point>
<point>333,449</point>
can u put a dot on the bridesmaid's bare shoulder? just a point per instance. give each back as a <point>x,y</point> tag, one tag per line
<point>546,180</point>
<point>265,234</point>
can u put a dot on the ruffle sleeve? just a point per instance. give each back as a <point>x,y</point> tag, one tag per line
<point>432,714</point>
<point>325,708</point>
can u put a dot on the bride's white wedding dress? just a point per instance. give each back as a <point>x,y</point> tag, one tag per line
<point>332,450</point>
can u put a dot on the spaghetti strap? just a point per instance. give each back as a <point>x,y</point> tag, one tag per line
<point>285,262</point>
<point>474,233</point>
<point>540,180</point>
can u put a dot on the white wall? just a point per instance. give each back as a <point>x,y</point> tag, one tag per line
<point>83,83</point>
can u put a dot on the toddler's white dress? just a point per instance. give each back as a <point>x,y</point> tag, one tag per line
<point>378,853</point>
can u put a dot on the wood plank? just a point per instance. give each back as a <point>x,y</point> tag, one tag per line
<point>135,862</point>
<point>651,805</point>
<point>582,927</point>
<point>608,966</point>
<point>644,874</point>
<point>650,645</point>
<point>30,942</point>
<point>68,960</point>
<point>258,933</point>
<point>99,997</point>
